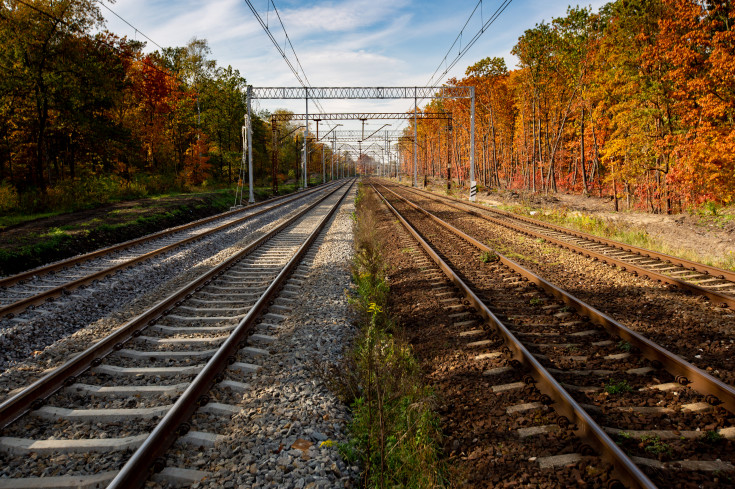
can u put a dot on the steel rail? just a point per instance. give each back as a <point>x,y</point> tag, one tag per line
<point>588,429</point>
<point>12,279</point>
<point>720,273</point>
<point>146,458</point>
<point>49,294</point>
<point>715,391</point>
<point>32,396</point>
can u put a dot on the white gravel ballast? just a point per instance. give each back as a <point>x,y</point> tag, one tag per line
<point>289,425</point>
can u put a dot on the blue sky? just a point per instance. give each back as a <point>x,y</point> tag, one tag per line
<point>339,42</point>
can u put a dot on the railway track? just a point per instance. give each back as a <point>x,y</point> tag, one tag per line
<point>151,382</point>
<point>661,421</point>
<point>717,284</point>
<point>34,287</point>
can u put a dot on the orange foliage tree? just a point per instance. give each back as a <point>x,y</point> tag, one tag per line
<point>636,102</point>
<point>196,162</point>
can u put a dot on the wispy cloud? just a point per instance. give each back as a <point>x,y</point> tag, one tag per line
<point>343,16</point>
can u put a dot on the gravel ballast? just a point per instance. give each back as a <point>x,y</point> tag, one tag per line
<point>44,337</point>
<point>290,424</point>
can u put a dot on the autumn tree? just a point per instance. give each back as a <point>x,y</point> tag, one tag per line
<point>39,41</point>
<point>697,46</point>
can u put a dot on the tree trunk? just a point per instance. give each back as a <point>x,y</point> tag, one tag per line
<point>533,141</point>
<point>581,152</point>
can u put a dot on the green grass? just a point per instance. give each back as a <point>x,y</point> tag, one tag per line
<point>617,387</point>
<point>33,249</point>
<point>489,257</point>
<point>60,242</point>
<point>712,437</point>
<point>13,219</point>
<point>653,444</point>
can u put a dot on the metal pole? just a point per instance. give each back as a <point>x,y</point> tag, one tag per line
<point>250,145</point>
<point>274,157</point>
<point>306,140</point>
<point>415,130</point>
<point>241,176</point>
<point>473,184</point>
<point>324,168</point>
<point>334,142</point>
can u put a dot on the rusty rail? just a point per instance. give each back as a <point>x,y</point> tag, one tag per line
<point>49,294</point>
<point>146,459</point>
<point>622,264</point>
<point>569,408</point>
<point>716,391</point>
<point>32,396</point>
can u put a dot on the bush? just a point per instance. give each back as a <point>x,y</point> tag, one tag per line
<point>8,197</point>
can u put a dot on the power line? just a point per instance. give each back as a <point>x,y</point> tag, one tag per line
<point>303,82</point>
<point>101,41</point>
<point>275,43</point>
<point>501,8</point>
<point>298,61</point>
<point>485,25</point>
<point>131,25</point>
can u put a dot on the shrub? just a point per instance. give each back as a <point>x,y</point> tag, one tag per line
<point>8,197</point>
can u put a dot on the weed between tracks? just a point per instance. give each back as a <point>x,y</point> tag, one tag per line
<point>394,433</point>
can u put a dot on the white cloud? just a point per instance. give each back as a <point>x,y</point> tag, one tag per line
<point>343,16</point>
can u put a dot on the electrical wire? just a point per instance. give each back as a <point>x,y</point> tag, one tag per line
<point>472,41</point>
<point>101,41</point>
<point>298,61</point>
<point>131,25</point>
<point>304,82</point>
<point>275,43</point>
<point>485,25</point>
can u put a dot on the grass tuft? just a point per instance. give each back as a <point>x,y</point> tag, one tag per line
<point>618,387</point>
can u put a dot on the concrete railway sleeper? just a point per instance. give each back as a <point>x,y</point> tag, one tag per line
<point>34,287</point>
<point>672,422</point>
<point>717,284</point>
<point>138,389</point>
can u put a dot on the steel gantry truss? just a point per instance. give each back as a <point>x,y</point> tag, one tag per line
<point>360,116</point>
<point>358,136</point>
<point>363,93</point>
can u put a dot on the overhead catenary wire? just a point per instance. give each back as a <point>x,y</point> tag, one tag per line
<point>304,82</point>
<point>501,8</point>
<point>463,50</point>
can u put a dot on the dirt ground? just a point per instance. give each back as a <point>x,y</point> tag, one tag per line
<point>701,234</point>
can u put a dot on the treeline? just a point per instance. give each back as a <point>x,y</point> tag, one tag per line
<point>635,102</point>
<point>86,116</point>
